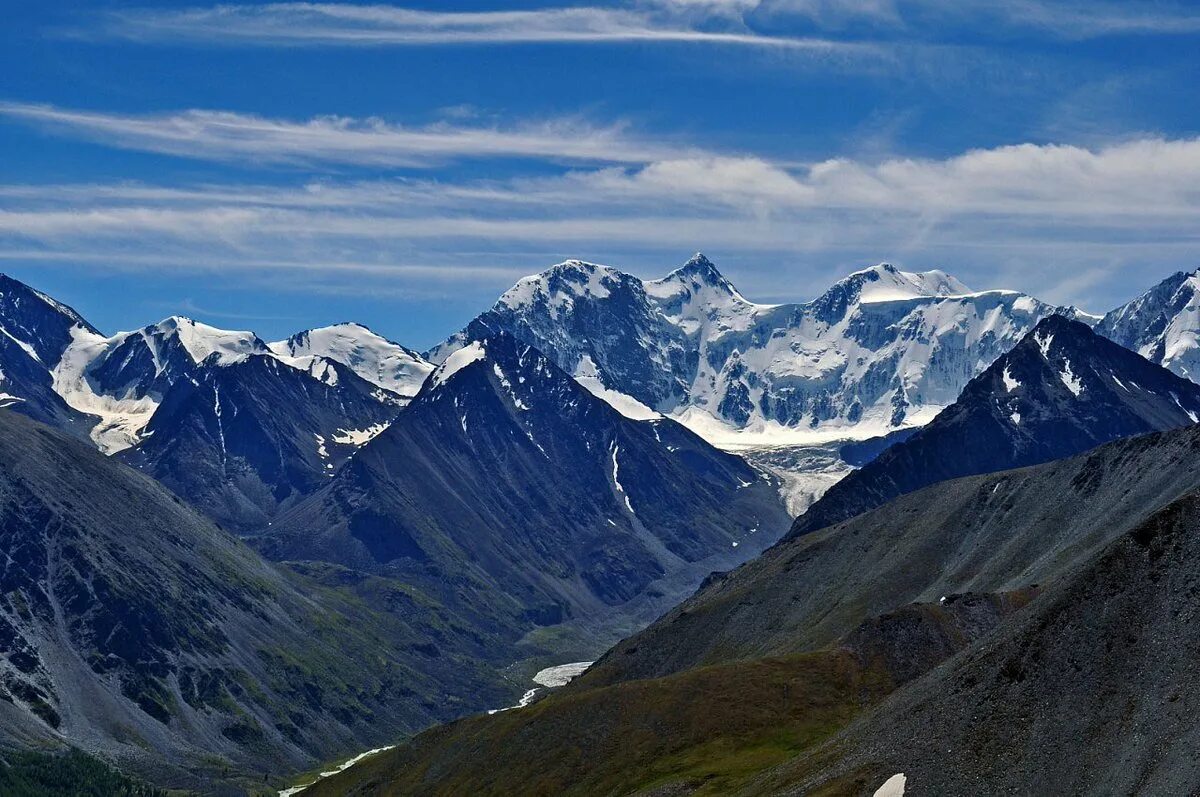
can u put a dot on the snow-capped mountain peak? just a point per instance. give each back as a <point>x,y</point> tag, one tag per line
<point>202,341</point>
<point>473,352</point>
<point>373,357</point>
<point>560,286</point>
<point>1163,324</point>
<point>884,282</point>
<point>881,349</point>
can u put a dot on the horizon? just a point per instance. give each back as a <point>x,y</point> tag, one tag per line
<point>280,332</point>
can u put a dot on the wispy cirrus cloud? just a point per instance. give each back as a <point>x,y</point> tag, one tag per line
<point>815,26</point>
<point>999,211</point>
<point>327,24</point>
<point>230,136</point>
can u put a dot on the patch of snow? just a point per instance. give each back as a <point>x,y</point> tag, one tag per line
<point>1189,413</point>
<point>892,787</point>
<point>1043,342</point>
<point>24,346</point>
<point>560,675</point>
<point>473,352</point>
<point>1010,384</point>
<point>617,481</point>
<point>201,341</point>
<point>321,451</point>
<point>358,437</point>
<point>1015,417</point>
<point>121,419</point>
<point>336,770</point>
<point>1072,382</point>
<point>587,375</point>
<point>376,359</point>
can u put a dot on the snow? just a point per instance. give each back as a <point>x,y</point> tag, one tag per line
<point>358,437</point>
<point>891,284</point>
<point>381,362</point>
<point>892,787</point>
<point>322,452</point>
<point>1179,404</point>
<point>471,353</point>
<point>1015,417</point>
<point>24,346</point>
<point>587,375</point>
<point>121,418</point>
<point>549,678</point>
<point>561,675</point>
<point>560,286</point>
<point>617,481</point>
<point>1010,384</point>
<point>201,341</point>
<point>882,349</point>
<point>1072,382</point>
<point>336,770</point>
<point>1043,342</point>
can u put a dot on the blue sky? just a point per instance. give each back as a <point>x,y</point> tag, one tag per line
<point>280,166</point>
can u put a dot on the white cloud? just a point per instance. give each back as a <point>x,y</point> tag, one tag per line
<point>325,24</point>
<point>702,21</point>
<point>229,136</point>
<point>1027,211</point>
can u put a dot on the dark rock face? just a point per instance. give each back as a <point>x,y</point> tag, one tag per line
<point>1092,690</point>
<point>505,476</point>
<point>241,440</point>
<point>995,532</point>
<point>35,330</point>
<point>134,628</point>
<point>1062,390</point>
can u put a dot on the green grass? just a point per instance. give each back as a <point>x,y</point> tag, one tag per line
<point>712,729</point>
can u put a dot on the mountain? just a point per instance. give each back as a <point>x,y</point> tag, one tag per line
<point>35,330</point>
<point>376,359</point>
<point>880,350</point>
<point>122,379</point>
<point>1063,389</point>
<point>137,630</point>
<point>1019,632</point>
<point>985,533</point>
<point>507,483</point>
<point>1089,691</point>
<point>244,436</point>
<point>707,731</point>
<point>1162,324</point>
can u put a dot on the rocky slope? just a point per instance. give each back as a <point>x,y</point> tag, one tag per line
<point>1063,389</point>
<point>985,533</point>
<point>241,440</point>
<point>506,483</point>
<point>35,330</point>
<point>1091,691</point>
<point>137,630</point>
<point>795,685</point>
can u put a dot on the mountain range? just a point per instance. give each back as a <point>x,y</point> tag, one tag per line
<point>1020,631</point>
<point>1062,390</point>
<point>416,534</point>
<point>880,350</point>
<point>505,478</point>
